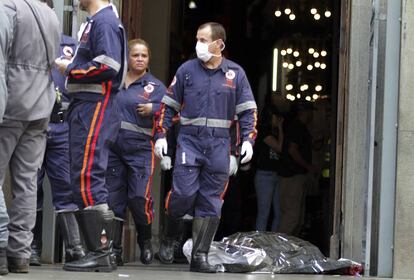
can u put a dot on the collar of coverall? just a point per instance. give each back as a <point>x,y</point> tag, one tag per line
<point>110,5</point>
<point>143,80</point>
<point>223,65</point>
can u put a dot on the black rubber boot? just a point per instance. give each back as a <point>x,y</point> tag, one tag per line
<point>97,229</point>
<point>144,241</point>
<point>172,227</point>
<point>36,245</point>
<point>204,230</point>
<point>69,230</point>
<point>3,262</point>
<point>184,234</point>
<point>117,247</point>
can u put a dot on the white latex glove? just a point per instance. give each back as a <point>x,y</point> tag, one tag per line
<point>160,148</point>
<point>246,152</point>
<point>166,163</point>
<point>233,166</point>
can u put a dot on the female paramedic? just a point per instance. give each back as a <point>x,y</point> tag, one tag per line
<point>131,158</point>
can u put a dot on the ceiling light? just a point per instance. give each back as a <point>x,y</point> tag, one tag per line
<point>289,87</point>
<point>311,50</point>
<point>313,11</point>
<point>317,64</point>
<point>296,53</point>
<point>298,63</point>
<point>318,88</point>
<point>315,54</point>
<point>323,53</point>
<point>308,98</point>
<point>285,65</point>
<point>328,14</point>
<point>298,96</point>
<point>291,66</point>
<point>323,66</point>
<point>310,67</point>
<point>192,5</point>
<point>278,13</point>
<point>288,11</point>
<point>290,97</point>
<point>317,17</point>
<point>292,16</point>
<point>283,52</point>
<point>315,96</point>
<point>289,50</point>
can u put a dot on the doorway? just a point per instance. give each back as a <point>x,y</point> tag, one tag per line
<point>289,50</point>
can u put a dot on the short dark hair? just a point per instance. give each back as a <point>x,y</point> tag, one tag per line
<point>139,41</point>
<point>49,3</point>
<point>217,30</point>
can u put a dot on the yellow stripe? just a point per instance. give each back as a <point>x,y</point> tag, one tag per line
<point>253,134</point>
<point>81,71</point>
<point>85,157</point>
<point>147,192</point>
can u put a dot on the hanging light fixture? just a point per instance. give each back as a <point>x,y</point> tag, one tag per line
<point>278,13</point>
<point>192,5</point>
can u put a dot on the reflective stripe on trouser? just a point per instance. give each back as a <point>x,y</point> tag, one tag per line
<point>200,176</point>
<point>129,177</point>
<point>92,127</point>
<point>56,166</point>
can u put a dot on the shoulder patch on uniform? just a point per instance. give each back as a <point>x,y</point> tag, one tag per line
<point>230,74</point>
<point>149,88</point>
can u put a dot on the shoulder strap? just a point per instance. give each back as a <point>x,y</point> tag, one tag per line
<point>41,31</point>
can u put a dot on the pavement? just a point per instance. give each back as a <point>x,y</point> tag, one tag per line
<point>157,271</point>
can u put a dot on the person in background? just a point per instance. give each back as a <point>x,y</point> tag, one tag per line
<point>131,158</point>
<point>207,92</point>
<point>268,151</point>
<point>94,76</point>
<point>35,31</point>
<point>297,161</point>
<point>56,166</point>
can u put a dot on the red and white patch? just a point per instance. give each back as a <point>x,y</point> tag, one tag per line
<point>174,81</point>
<point>67,51</point>
<point>149,88</point>
<point>230,74</point>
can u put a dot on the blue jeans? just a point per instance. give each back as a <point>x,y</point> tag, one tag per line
<point>267,192</point>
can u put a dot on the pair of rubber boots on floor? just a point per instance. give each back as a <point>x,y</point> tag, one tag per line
<point>98,230</point>
<point>203,233</point>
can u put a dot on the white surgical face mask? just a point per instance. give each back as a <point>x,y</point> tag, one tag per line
<point>202,51</point>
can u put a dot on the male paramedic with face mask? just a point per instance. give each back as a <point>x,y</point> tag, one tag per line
<point>207,92</point>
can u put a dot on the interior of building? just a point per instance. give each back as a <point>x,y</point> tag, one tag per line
<point>289,50</point>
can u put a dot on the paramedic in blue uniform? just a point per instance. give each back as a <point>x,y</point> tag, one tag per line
<point>56,166</point>
<point>94,77</point>
<point>131,158</point>
<point>207,92</point>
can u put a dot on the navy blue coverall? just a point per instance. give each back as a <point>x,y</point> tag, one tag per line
<point>94,78</point>
<point>131,158</point>
<point>207,100</point>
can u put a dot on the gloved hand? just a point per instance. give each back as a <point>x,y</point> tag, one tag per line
<point>166,163</point>
<point>160,148</point>
<point>233,166</point>
<point>246,152</point>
